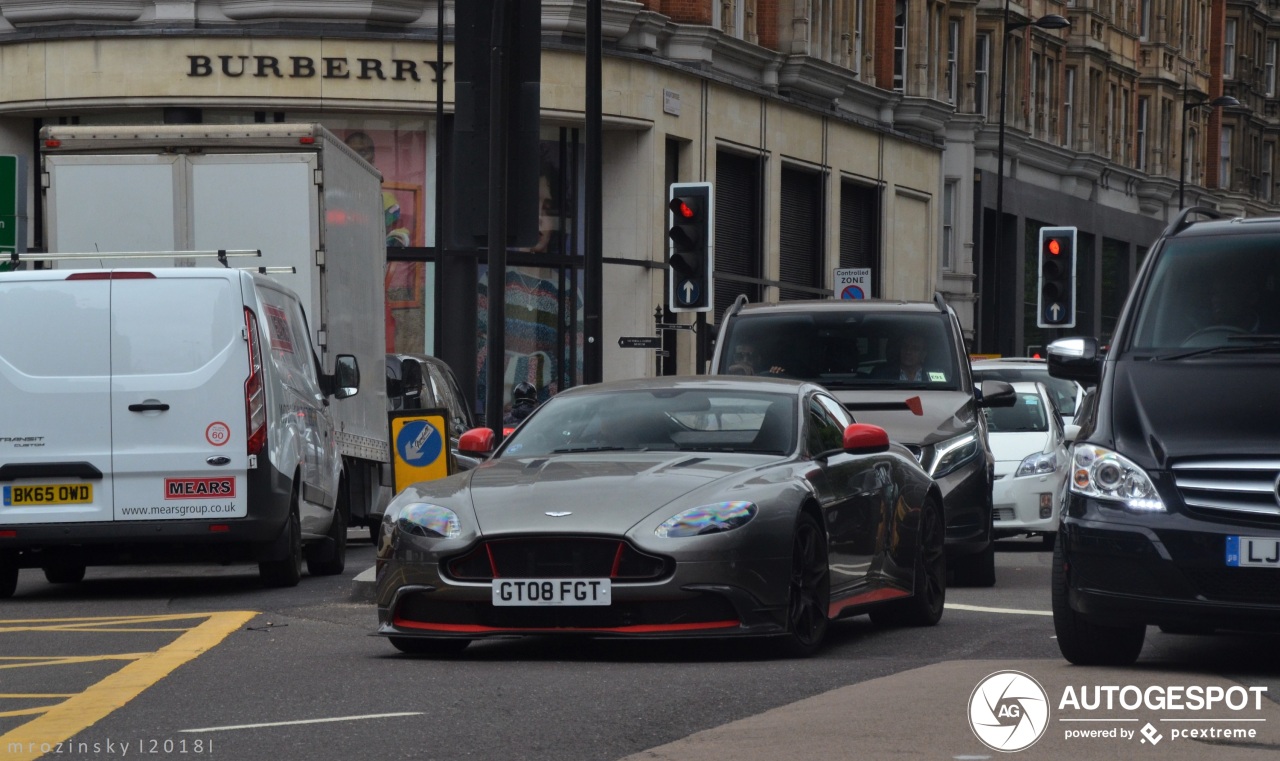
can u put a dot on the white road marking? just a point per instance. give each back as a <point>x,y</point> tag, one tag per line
<point>304,721</point>
<point>368,574</point>
<point>982,609</point>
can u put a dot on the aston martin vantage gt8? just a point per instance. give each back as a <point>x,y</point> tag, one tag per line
<point>667,508</point>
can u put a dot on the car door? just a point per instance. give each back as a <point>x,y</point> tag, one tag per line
<point>855,493</point>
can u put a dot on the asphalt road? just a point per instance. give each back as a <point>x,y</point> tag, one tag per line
<point>219,667</point>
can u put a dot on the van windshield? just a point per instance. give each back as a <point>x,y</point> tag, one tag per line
<point>843,350</point>
<point>1210,292</point>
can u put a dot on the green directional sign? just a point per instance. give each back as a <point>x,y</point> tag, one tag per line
<point>13,216</point>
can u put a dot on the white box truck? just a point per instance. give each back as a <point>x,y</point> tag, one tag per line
<point>293,191</point>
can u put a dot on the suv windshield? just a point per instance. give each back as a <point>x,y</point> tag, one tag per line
<point>845,349</point>
<point>1209,292</point>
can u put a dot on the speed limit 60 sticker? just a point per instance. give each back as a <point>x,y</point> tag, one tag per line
<point>217,434</point>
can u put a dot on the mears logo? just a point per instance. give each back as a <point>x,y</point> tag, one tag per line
<point>1008,711</point>
<point>198,488</point>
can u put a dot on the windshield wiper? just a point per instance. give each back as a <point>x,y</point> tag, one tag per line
<point>1243,344</point>
<point>569,450</point>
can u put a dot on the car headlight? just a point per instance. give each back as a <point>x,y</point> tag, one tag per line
<point>425,519</point>
<point>1037,464</point>
<point>953,453</point>
<point>708,519</point>
<point>1099,472</point>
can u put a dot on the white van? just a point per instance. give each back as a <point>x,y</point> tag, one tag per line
<point>172,414</point>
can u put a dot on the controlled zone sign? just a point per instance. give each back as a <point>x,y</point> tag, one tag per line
<point>853,282</point>
<point>420,450</point>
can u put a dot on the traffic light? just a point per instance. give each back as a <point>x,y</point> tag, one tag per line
<point>1056,295</point>
<point>691,235</point>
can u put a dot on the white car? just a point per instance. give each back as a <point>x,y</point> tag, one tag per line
<point>1030,449</point>
<point>1066,394</point>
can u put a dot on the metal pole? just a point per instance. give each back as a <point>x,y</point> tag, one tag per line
<point>999,247</point>
<point>438,297</point>
<point>1182,146</point>
<point>496,340</point>
<point>593,256</point>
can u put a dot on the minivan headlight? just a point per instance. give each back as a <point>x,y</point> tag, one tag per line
<point>1100,472</point>
<point>707,519</point>
<point>954,453</point>
<point>1038,464</point>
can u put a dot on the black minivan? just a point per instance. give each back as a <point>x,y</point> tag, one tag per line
<point>1173,507</point>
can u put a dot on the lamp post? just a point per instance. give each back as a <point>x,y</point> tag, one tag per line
<point>1218,102</point>
<point>1051,21</point>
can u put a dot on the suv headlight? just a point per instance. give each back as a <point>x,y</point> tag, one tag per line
<point>707,519</point>
<point>1037,464</point>
<point>1099,472</point>
<point>953,453</point>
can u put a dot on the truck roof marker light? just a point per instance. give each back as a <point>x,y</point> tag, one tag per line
<point>53,144</point>
<point>308,140</point>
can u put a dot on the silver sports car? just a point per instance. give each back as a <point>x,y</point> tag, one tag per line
<point>668,507</point>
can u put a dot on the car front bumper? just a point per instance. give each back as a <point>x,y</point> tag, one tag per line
<point>1164,569</point>
<point>1017,503</point>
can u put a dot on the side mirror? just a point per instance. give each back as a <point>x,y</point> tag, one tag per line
<point>1070,433</point>
<point>996,393</point>
<point>1077,359</point>
<point>862,438</point>
<point>346,376</point>
<point>477,442</point>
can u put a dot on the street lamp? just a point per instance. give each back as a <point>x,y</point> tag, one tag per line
<point>1051,21</point>
<point>1218,102</point>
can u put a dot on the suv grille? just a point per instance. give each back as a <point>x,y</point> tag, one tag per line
<point>557,558</point>
<point>1234,488</point>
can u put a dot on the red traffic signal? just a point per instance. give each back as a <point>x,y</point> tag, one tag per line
<point>1055,248</point>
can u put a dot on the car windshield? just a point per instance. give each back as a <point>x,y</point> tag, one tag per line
<point>1211,292</point>
<point>669,419</point>
<point>1026,415</point>
<point>844,349</point>
<point>1062,392</point>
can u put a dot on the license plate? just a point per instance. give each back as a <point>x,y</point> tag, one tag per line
<point>551,592</point>
<point>47,494</point>
<point>1253,551</point>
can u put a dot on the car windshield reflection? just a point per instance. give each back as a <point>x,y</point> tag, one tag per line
<point>666,420</point>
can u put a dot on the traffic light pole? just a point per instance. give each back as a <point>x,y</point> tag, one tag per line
<point>593,256</point>
<point>496,339</point>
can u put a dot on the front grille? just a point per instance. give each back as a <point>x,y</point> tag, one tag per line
<point>1005,514</point>
<point>424,608</point>
<point>557,558</point>
<point>1247,585</point>
<point>1242,489</point>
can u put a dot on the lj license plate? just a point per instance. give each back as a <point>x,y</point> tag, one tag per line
<point>551,592</point>
<point>47,494</point>
<point>1253,551</point>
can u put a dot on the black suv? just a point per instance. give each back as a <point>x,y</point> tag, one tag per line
<point>899,365</point>
<point>1173,508</point>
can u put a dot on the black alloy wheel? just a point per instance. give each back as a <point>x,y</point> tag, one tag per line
<point>929,587</point>
<point>428,646</point>
<point>1084,642</point>
<point>809,590</point>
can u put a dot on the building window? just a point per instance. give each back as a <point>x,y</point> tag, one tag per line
<point>949,227</point>
<point>900,46</point>
<point>729,16</point>
<point>1144,21</point>
<point>1268,157</point>
<point>953,50</point>
<point>1033,97</point>
<point>1144,104</point>
<point>858,15</point>
<point>1271,67</point>
<point>1112,128</point>
<point>1069,110</point>
<point>1126,132</point>
<point>981,73</point>
<point>1224,163</point>
<point>1050,99</point>
<point>1229,49</point>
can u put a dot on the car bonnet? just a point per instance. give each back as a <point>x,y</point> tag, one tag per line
<point>605,492</point>
<point>942,414</point>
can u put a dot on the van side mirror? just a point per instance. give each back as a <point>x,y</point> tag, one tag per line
<point>1077,359</point>
<point>996,393</point>
<point>346,377</point>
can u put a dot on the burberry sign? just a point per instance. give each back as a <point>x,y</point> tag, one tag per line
<point>305,67</point>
